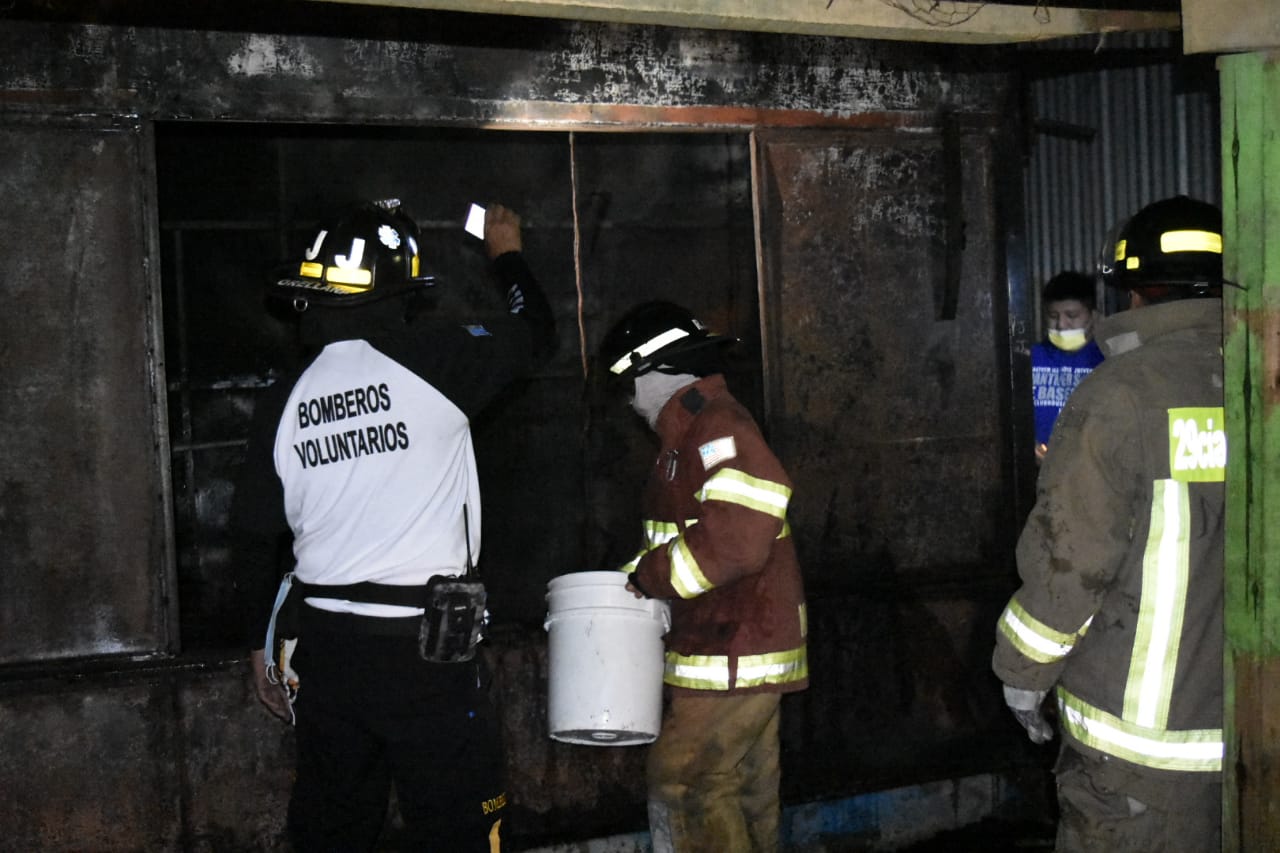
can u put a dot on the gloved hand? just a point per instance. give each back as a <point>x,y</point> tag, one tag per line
<point>1025,705</point>
<point>270,693</point>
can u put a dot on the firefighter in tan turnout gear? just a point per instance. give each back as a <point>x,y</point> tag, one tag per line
<point>1121,560</point>
<point>718,547</point>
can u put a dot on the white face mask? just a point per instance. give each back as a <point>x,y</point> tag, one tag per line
<point>1068,340</point>
<point>653,390</point>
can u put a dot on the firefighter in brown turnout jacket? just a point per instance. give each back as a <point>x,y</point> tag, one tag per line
<point>1121,561</point>
<point>718,547</point>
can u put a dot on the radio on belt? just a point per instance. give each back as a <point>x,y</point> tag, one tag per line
<point>455,614</point>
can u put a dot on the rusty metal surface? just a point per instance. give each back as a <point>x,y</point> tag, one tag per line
<point>887,407</point>
<point>500,72</point>
<point>82,536</point>
<point>162,759</point>
<point>90,770</point>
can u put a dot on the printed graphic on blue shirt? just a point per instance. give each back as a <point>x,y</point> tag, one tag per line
<point>1055,374</point>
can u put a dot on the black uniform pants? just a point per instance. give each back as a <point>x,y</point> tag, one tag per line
<point>371,712</point>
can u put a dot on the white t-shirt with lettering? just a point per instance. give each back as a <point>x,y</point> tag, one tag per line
<point>376,465</point>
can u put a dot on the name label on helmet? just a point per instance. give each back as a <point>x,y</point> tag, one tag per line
<point>1197,445</point>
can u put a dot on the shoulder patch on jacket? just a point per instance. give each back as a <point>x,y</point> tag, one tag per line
<point>714,452</point>
<point>693,401</point>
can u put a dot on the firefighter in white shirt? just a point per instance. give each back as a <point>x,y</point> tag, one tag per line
<point>365,460</point>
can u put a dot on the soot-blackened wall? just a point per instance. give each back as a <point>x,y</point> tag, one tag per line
<point>162,169</point>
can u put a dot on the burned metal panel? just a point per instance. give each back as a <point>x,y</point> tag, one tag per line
<point>83,505</point>
<point>491,70</point>
<point>888,388</point>
<point>901,692</point>
<point>93,769</point>
<point>887,400</point>
<point>236,764</point>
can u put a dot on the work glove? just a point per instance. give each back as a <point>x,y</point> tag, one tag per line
<point>1025,705</point>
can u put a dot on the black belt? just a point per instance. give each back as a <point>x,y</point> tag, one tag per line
<point>366,592</point>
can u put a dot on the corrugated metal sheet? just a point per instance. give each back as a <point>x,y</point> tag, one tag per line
<point>1111,141</point>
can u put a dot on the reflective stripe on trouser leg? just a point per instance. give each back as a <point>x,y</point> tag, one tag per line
<point>713,774</point>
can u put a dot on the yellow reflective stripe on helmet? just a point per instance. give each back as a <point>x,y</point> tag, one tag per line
<point>700,672</point>
<point>1120,249</point>
<point>773,668</point>
<point>1190,750</point>
<point>738,487</point>
<point>1033,638</point>
<point>686,576</point>
<point>353,277</point>
<point>648,348</point>
<point>1166,577</point>
<point>310,269</point>
<point>1190,241</point>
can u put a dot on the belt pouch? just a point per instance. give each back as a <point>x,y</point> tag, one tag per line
<point>453,620</point>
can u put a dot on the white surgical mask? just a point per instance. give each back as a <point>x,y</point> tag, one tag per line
<point>1069,340</point>
<point>653,390</point>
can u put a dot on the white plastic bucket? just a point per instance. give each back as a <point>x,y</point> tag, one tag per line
<point>605,660</point>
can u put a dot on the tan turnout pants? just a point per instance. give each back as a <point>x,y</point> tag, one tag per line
<point>713,775</point>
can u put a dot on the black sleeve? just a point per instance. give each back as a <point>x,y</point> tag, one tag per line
<point>527,301</point>
<point>261,541</point>
<point>472,360</point>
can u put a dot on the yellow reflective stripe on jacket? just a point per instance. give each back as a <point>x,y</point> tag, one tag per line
<point>738,487</point>
<point>701,672</point>
<point>660,532</point>
<point>1166,576</point>
<point>686,576</point>
<point>1192,750</point>
<point>1034,639</point>
<point>711,672</point>
<point>773,668</point>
